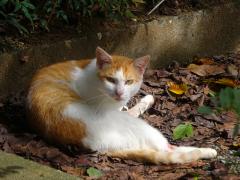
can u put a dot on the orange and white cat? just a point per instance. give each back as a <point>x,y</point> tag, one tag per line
<point>78,102</point>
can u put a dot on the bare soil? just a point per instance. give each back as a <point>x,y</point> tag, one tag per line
<point>168,111</point>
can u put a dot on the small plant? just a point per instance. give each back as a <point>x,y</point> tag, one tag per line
<point>93,172</point>
<point>20,13</point>
<point>227,100</point>
<point>182,131</point>
<point>14,12</point>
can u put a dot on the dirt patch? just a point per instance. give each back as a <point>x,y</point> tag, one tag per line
<point>168,111</point>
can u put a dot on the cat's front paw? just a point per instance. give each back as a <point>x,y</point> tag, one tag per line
<point>208,153</point>
<point>148,100</point>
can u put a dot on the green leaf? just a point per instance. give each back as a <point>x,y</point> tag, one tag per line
<point>139,1</point>
<point>236,130</point>
<point>17,6</point>
<point>27,15</point>
<point>182,131</point>
<point>236,100</point>
<point>205,110</point>
<point>16,24</point>
<point>93,172</point>
<point>28,5</point>
<point>44,24</point>
<point>226,97</point>
<point>3,14</point>
<point>3,2</point>
<point>129,14</point>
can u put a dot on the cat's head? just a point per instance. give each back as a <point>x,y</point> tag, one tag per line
<point>121,77</point>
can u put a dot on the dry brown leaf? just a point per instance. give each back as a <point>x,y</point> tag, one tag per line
<point>230,119</point>
<point>194,97</point>
<point>155,120</point>
<point>207,61</point>
<point>173,175</point>
<point>227,82</point>
<point>206,90</point>
<point>177,88</point>
<point>205,70</point>
<point>74,171</point>
<point>233,70</point>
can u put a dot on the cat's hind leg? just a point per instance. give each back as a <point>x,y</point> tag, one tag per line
<point>157,157</point>
<point>205,153</point>
<point>145,103</point>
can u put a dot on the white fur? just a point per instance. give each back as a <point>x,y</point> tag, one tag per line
<point>107,128</point>
<point>142,106</point>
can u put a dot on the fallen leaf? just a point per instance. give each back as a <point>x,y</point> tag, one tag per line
<point>194,97</point>
<point>182,131</point>
<point>206,70</point>
<point>207,91</point>
<point>229,177</point>
<point>152,84</point>
<point>159,73</point>
<point>218,169</point>
<point>177,88</point>
<point>93,172</point>
<point>230,119</point>
<point>173,175</point>
<point>233,70</point>
<point>227,82</point>
<point>204,110</point>
<point>206,61</point>
<point>155,120</point>
<point>168,105</point>
<point>74,171</point>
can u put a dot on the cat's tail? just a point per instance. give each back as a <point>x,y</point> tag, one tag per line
<point>178,155</point>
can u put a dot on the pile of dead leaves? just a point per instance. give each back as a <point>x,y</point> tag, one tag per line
<point>178,91</point>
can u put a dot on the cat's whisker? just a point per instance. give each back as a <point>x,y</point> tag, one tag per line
<point>99,106</point>
<point>105,94</point>
<point>93,98</point>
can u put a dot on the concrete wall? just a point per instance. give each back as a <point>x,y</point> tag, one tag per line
<point>166,39</point>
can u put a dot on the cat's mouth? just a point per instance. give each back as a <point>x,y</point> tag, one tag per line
<point>118,98</point>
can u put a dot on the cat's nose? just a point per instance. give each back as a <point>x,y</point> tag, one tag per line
<point>119,92</point>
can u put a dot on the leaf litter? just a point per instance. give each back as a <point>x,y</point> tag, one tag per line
<point>178,92</point>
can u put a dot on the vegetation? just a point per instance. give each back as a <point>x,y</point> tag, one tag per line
<point>227,100</point>
<point>29,14</point>
<point>183,131</point>
<point>93,172</point>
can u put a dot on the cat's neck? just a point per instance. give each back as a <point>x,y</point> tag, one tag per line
<point>87,85</point>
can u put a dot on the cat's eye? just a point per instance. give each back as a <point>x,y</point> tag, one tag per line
<point>128,82</point>
<point>112,80</point>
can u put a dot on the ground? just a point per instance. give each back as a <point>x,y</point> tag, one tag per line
<point>168,111</point>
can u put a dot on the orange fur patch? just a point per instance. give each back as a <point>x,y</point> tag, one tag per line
<point>155,157</point>
<point>146,155</point>
<point>49,94</point>
<point>121,62</point>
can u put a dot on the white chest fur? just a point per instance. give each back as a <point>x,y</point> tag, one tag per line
<point>115,130</point>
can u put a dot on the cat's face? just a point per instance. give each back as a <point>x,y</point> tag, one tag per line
<point>120,76</point>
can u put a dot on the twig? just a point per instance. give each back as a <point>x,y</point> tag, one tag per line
<point>52,12</point>
<point>150,12</point>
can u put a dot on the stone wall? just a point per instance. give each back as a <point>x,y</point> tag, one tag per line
<point>166,39</point>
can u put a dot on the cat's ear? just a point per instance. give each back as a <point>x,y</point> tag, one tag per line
<point>103,58</point>
<point>141,63</point>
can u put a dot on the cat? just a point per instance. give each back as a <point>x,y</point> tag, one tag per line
<point>78,102</point>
